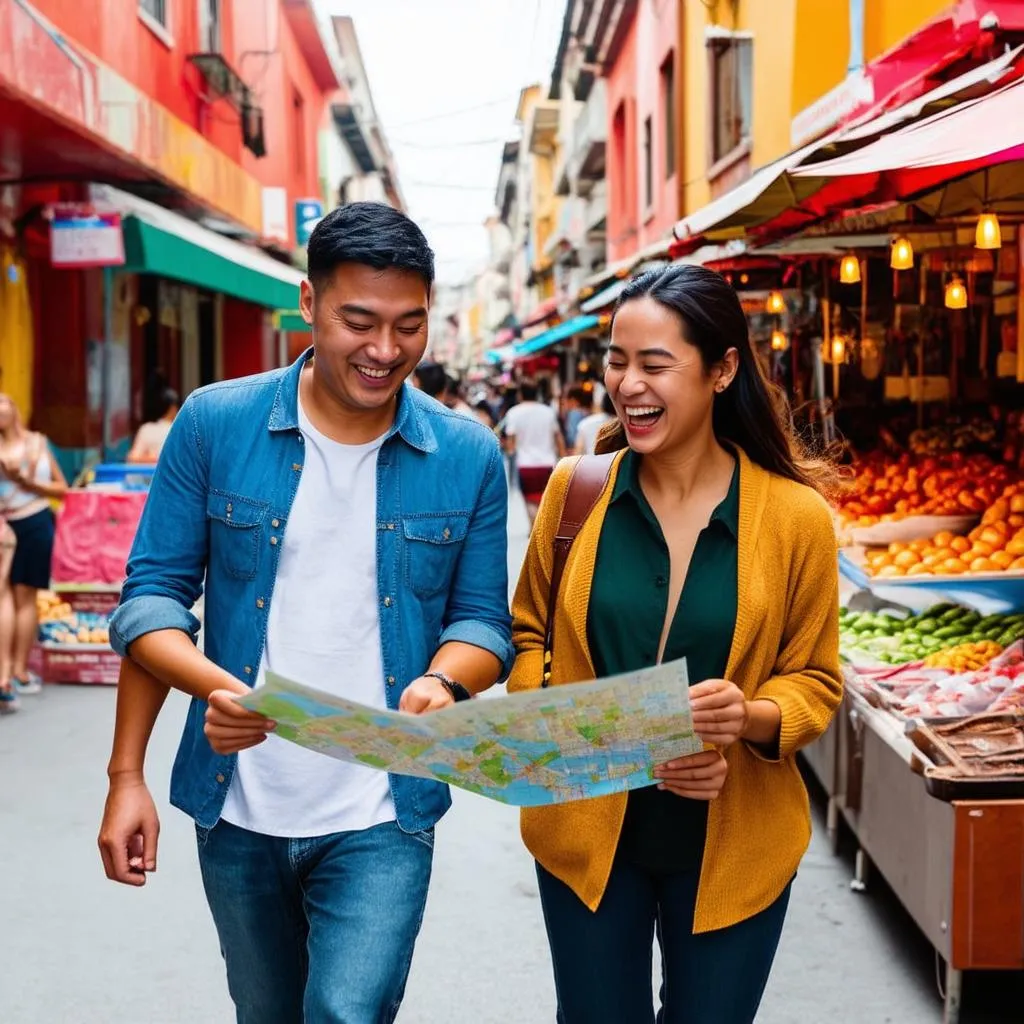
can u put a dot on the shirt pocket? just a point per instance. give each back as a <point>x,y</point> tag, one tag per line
<point>432,547</point>
<point>236,529</point>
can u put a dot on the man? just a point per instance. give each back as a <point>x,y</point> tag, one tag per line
<point>590,427</point>
<point>453,396</point>
<point>534,439</point>
<point>431,379</point>
<point>579,405</point>
<point>352,535</point>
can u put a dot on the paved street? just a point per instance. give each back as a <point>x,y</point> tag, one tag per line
<point>82,951</point>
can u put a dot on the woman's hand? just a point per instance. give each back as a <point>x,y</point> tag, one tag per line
<point>697,777</point>
<point>720,712</point>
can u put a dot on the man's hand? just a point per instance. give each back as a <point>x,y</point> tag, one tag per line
<point>698,776</point>
<point>425,694</point>
<point>720,712</point>
<point>129,831</point>
<point>230,728</point>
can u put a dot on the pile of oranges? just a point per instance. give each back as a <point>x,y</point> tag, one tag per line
<point>997,545</point>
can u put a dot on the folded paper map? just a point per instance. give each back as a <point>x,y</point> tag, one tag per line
<point>537,747</point>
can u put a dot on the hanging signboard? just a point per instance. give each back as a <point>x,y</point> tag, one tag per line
<point>80,237</point>
<point>308,213</point>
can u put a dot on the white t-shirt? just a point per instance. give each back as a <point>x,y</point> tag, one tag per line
<point>150,438</point>
<point>588,429</point>
<point>534,427</point>
<point>324,629</point>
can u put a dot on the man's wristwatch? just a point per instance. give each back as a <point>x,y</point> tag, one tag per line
<point>457,690</point>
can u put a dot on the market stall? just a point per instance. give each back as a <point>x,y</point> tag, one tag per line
<point>94,535</point>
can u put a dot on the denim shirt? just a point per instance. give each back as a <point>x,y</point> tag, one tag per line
<point>218,508</point>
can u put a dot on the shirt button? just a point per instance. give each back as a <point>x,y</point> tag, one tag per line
<point>391,680</point>
<point>387,602</point>
<point>297,466</point>
<point>447,533</point>
<point>220,778</point>
<point>391,526</point>
<point>273,540</point>
<point>259,602</point>
<point>275,523</point>
<point>230,507</point>
<point>248,670</point>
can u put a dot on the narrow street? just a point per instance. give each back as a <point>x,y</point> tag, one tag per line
<point>83,951</point>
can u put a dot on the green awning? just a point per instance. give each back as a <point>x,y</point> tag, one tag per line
<point>159,241</point>
<point>290,320</point>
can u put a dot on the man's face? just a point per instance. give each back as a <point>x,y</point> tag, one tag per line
<point>369,332</point>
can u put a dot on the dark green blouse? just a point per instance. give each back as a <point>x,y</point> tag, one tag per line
<point>628,604</point>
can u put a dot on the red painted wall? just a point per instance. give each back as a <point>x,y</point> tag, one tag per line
<point>657,30</point>
<point>244,339</point>
<point>623,182</point>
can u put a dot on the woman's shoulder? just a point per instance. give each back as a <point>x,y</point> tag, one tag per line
<point>798,508</point>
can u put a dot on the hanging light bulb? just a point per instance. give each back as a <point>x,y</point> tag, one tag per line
<point>838,349</point>
<point>849,270</point>
<point>902,256</point>
<point>744,279</point>
<point>775,303</point>
<point>988,234</point>
<point>779,341</point>
<point>956,294</point>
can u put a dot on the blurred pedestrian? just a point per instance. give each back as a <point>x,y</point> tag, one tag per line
<point>8,698</point>
<point>275,496</point>
<point>483,412</point>
<point>30,478</point>
<point>431,379</point>
<point>579,404</point>
<point>534,439</point>
<point>709,542</point>
<point>453,396</point>
<point>150,437</point>
<point>590,426</point>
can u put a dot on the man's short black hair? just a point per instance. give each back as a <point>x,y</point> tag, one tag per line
<point>432,379</point>
<point>528,391</point>
<point>373,234</point>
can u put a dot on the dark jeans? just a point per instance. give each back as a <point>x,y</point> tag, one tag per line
<point>603,960</point>
<point>316,931</point>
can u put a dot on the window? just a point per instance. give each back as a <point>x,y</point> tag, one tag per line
<point>668,105</point>
<point>731,94</point>
<point>210,40</point>
<point>648,163</point>
<point>621,157</point>
<point>155,9</point>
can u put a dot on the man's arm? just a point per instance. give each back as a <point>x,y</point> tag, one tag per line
<point>475,648</point>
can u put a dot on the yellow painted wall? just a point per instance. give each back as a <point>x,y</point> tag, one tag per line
<point>545,205</point>
<point>801,51</point>
<point>16,339</point>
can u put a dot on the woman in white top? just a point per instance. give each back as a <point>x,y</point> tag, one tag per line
<point>150,438</point>
<point>29,479</point>
<point>590,427</point>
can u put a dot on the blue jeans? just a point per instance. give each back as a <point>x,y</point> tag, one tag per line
<point>316,931</point>
<point>603,960</point>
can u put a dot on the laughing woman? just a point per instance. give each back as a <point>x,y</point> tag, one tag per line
<point>711,542</point>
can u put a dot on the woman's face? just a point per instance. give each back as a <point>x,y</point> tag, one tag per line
<point>662,392</point>
<point>6,413</point>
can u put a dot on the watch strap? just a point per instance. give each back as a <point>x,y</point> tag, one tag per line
<point>457,690</point>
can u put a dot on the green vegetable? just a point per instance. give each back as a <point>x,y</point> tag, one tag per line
<point>927,626</point>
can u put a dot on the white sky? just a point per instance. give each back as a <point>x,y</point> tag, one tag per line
<point>427,59</point>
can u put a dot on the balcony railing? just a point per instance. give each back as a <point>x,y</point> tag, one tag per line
<point>590,137</point>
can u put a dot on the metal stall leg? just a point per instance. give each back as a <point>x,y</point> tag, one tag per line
<point>861,871</point>
<point>953,996</point>
<point>832,825</point>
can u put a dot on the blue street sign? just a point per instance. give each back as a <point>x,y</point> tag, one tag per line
<point>308,213</point>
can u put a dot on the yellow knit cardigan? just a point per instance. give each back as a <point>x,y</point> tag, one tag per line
<point>785,649</point>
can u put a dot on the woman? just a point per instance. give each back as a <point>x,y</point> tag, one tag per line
<point>30,479</point>
<point>150,438</point>
<point>591,426</point>
<point>709,542</point>
<point>8,698</point>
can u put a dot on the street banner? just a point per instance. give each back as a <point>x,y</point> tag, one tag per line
<point>537,747</point>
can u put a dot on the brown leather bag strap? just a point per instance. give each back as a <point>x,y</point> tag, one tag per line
<point>585,486</point>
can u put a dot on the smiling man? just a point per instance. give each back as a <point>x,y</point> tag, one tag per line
<point>351,532</point>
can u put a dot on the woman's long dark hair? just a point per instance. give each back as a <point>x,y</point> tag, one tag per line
<point>752,413</point>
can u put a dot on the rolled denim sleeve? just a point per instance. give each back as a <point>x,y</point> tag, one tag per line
<point>168,559</point>
<point>477,611</point>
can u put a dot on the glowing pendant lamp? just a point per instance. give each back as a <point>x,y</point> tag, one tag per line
<point>988,234</point>
<point>838,349</point>
<point>779,341</point>
<point>775,303</point>
<point>902,256</point>
<point>956,294</point>
<point>849,270</point>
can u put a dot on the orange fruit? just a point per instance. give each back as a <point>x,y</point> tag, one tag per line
<point>943,554</point>
<point>1016,521</point>
<point>983,565</point>
<point>975,534</point>
<point>1016,546</point>
<point>1018,564</point>
<point>888,572</point>
<point>920,545</point>
<point>1017,503</point>
<point>995,512</point>
<point>931,561</point>
<point>1003,559</point>
<point>953,567</point>
<point>982,550</point>
<point>905,559</point>
<point>919,570</point>
<point>993,535</point>
<point>961,545</point>
<point>897,546</point>
<point>943,540</point>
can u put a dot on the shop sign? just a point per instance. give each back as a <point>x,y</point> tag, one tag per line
<point>308,213</point>
<point>80,236</point>
<point>856,90</point>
